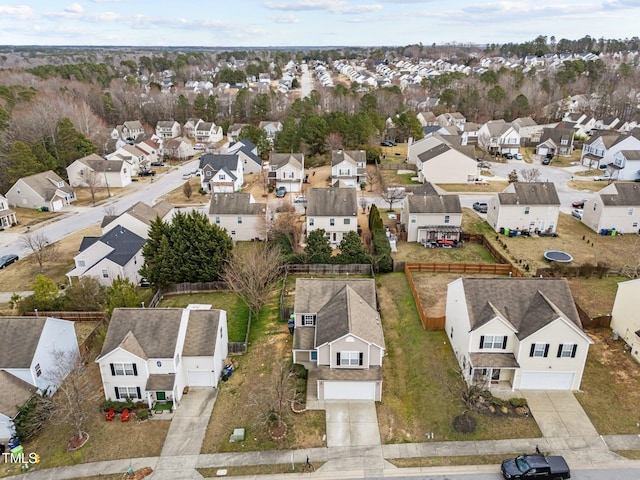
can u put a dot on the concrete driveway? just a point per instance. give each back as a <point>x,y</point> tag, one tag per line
<point>351,423</point>
<point>558,414</point>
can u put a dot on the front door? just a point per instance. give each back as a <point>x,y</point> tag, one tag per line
<point>160,396</point>
<point>495,375</point>
<point>335,237</point>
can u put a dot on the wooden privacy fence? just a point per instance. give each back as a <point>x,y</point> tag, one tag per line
<point>331,269</point>
<point>427,323</point>
<point>189,288</point>
<point>484,268</point>
<point>85,347</point>
<point>72,316</point>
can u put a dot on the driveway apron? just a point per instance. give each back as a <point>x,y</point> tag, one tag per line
<point>559,415</point>
<point>352,424</point>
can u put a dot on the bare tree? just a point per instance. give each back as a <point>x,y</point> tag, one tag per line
<point>110,211</point>
<point>252,274</point>
<point>286,226</point>
<point>513,176</point>
<point>530,174</point>
<point>363,204</point>
<point>484,143</point>
<point>41,249</point>
<point>372,178</point>
<point>92,180</point>
<point>334,141</point>
<point>393,194</point>
<point>187,190</point>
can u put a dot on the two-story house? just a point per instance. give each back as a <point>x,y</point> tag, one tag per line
<point>271,128</point>
<point>233,132</point>
<point>128,131</point>
<point>239,214</point>
<point>168,129</point>
<point>287,170</point>
<point>333,209</point>
<point>338,334</point>
<point>616,206</point>
<point>138,218</point>
<point>556,141</point>
<point>95,171</point>
<point>532,206</point>
<point>208,132</point>
<point>44,189</point>
<point>499,137</point>
<point>625,319</point>
<point>221,173</point>
<point>7,216</point>
<point>152,354</point>
<point>135,157</point>
<point>348,167</point>
<point>516,333</point>
<point>601,148</point>
<point>178,148</point>
<point>429,216</point>
<point>35,354</point>
<point>189,127</point>
<point>443,163</point>
<point>248,154</point>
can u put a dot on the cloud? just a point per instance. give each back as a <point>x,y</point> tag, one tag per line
<point>290,18</point>
<point>106,1</point>
<point>19,12</point>
<point>74,8</point>
<point>333,6</point>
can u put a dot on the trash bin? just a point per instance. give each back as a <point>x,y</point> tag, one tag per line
<point>615,335</point>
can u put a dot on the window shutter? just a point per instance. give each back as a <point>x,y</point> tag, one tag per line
<point>117,391</point>
<point>113,371</point>
<point>573,352</point>
<point>559,350</point>
<point>533,347</point>
<point>361,361</point>
<point>504,342</point>
<point>338,358</point>
<point>481,341</point>
<point>546,350</point>
<point>135,369</point>
<point>138,392</point>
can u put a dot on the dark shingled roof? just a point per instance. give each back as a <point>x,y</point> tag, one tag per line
<point>349,156</point>
<point>528,304</point>
<point>19,337</point>
<point>433,203</point>
<point>235,204</point>
<point>124,242</point>
<point>628,195</point>
<point>160,382</point>
<point>434,152</point>
<point>326,202</point>
<point>530,193</point>
<point>146,332</point>
<point>218,162</point>
<point>14,392</point>
<point>202,333</point>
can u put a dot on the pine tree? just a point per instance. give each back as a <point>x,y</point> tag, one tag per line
<point>352,250</point>
<point>318,249</point>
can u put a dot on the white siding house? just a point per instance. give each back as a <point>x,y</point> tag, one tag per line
<point>616,206</point>
<point>239,214</point>
<point>625,317</point>
<point>334,210</point>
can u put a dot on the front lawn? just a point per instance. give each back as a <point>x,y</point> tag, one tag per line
<point>422,386</point>
<point>237,310</point>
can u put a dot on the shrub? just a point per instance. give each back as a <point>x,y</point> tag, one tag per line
<point>464,423</point>
<point>143,413</point>
<point>518,402</point>
<point>382,260</point>
<point>299,371</point>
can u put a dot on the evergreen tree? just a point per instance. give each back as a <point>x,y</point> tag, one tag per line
<point>258,137</point>
<point>121,294</point>
<point>352,250</point>
<point>69,145</point>
<point>21,162</point>
<point>318,249</point>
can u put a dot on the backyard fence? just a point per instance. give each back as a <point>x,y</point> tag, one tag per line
<point>428,323</point>
<point>330,269</point>
<point>187,288</point>
<point>601,321</point>
<point>85,347</point>
<point>482,268</point>
<point>72,316</point>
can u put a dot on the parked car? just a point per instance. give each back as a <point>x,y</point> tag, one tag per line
<point>484,164</point>
<point>7,260</point>
<point>578,204</point>
<point>300,199</point>
<point>536,466</point>
<point>603,166</point>
<point>186,176</point>
<point>518,156</point>
<point>281,192</point>
<point>603,178</point>
<point>481,207</point>
<point>147,173</point>
<point>546,161</point>
<point>508,156</point>
<point>386,143</point>
<point>195,172</point>
<point>577,213</point>
<point>157,164</point>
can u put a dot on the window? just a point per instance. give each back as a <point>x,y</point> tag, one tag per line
<point>446,218</point>
<point>38,370</point>
<point>350,359</point>
<point>526,210</point>
<point>207,173</point>
<point>222,176</point>
<point>634,224</point>
<point>218,220</point>
<point>630,211</point>
<point>233,232</point>
<point>413,219</point>
<point>347,221</point>
<point>105,273</point>
<point>159,363</point>
<point>539,350</point>
<point>493,341</point>
<point>332,221</point>
<point>308,319</point>
<point>567,350</point>
<point>128,392</point>
<point>239,220</point>
<point>311,222</point>
<point>314,355</point>
<point>451,334</point>
<point>343,172</point>
<point>81,263</point>
<point>128,369</point>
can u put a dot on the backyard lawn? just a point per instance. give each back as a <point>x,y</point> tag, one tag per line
<point>422,386</point>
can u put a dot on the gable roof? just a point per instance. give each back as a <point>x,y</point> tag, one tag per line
<point>14,392</point>
<point>235,204</point>
<point>124,242</point>
<point>433,203</point>
<point>324,202</point>
<point>631,154</point>
<point>628,194</point>
<point>44,183</point>
<point>434,152</point>
<point>19,337</point>
<point>528,304</point>
<point>497,127</point>
<point>145,332</point>
<point>166,123</point>
<point>217,161</point>
<point>279,160</point>
<point>529,193</point>
<point>557,134</point>
<point>202,333</point>
<point>146,214</point>
<point>352,157</point>
<point>133,125</point>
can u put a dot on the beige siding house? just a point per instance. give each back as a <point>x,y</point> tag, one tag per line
<point>428,215</point>
<point>516,333</point>
<point>45,189</point>
<point>521,206</point>
<point>617,206</point>
<point>239,214</point>
<point>333,209</point>
<point>138,218</point>
<point>287,170</point>
<point>625,317</point>
<point>338,335</point>
<point>349,167</point>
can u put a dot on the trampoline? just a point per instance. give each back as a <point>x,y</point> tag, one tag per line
<point>558,256</point>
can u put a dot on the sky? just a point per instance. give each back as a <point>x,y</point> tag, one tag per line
<point>262,23</point>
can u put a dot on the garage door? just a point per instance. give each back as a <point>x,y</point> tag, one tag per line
<point>546,380</point>
<point>57,205</point>
<point>349,390</point>
<point>200,378</point>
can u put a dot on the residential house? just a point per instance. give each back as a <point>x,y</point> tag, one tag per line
<point>499,137</point>
<point>137,218</point>
<point>428,215</point>
<point>116,254</point>
<point>439,161</point>
<point>134,156</point>
<point>128,131</point>
<point>427,119</point>
<point>44,189</point>
<point>94,171</point>
<point>152,354</point>
<point>616,206</point>
<point>349,166</point>
<point>287,170</point>
<point>248,154</point>
<point>333,209</point>
<point>7,216</point>
<point>233,132</point>
<point>152,149</point>
<point>556,141</point>
<point>452,119</point>
<point>221,173</point>
<point>625,319</point>
<point>189,128</point>
<point>208,132</point>
<point>532,206</point>
<point>240,215</point>
<point>602,147</point>
<point>528,129</point>
<point>608,123</point>
<point>581,124</point>
<point>34,354</point>
<point>338,334</point>
<point>179,148</point>
<point>168,129</point>
<point>625,165</point>
<point>516,333</point>
<point>271,128</point>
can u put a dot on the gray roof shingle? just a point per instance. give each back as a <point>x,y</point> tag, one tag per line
<point>530,193</point>
<point>325,202</point>
<point>202,333</point>
<point>235,204</point>
<point>628,195</point>
<point>434,203</point>
<point>19,337</point>
<point>14,392</point>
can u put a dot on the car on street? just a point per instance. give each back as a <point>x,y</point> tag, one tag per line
<point>546,161</point>
<point>508,156</point>
<point>147,173</point>
<point>186,176</point>
<point>157,164</point>
<point>300,199</point>
<point>576,212</point>
<point>281,192</point>
<point>603,178</point>
<point>536,466</point>
<point>484,165</point>
<point>578,204</point>
<point>7,260</point>
<point>481,207</point>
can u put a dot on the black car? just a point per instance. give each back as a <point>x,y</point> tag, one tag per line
<point>508,156</point>
<point>7,260</point>
<point>157,164</point>
<point>535,466</point>
<point>147,173</point>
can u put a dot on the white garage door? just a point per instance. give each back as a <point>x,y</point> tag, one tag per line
<point>546,380</point>
<point>349,390</point>
<point>200,378</point>
<point>57,205</point>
